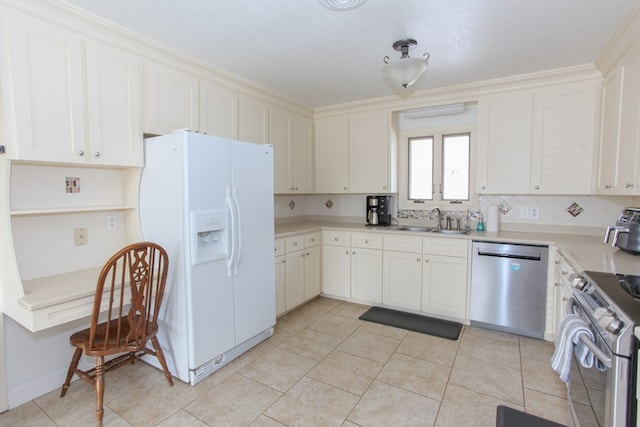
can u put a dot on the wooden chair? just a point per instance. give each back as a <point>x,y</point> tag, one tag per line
<point>128,297</point>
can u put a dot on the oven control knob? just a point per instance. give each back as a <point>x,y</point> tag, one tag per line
<point>614,326</point>
<point>579,284</point>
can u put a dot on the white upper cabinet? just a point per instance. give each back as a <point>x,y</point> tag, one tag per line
<point>253,118</point>
<point>114,93</point>
<point>47,87</point>
<point>369,153</point>
<point>563,139</point>
<point>355,154</point>
<point>620,129</point>
<point>290,135</point>
<point>504,143</point>
<point>537,142</point>
<point>45,65</point>
<point>218,110</point>
<point>332,155</point>
<point>171,100</point>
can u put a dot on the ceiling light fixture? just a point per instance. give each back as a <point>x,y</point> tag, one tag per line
<point>406,70</point>
<point>341,4</point>
<point>435,111</point>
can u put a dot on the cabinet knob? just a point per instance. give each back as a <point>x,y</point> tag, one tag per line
<point>353,253</point>
<point>426,260</point>
<point>629,185</point>
<point>606,187</point>
<point>366,242</point>
<point>346,252</point>
<point>418,259</point>
<point>97,154</point>
<point>345,188</point>
<point>80,153</point>
<point>537,187</point>
<point>483,187</point>
<point>307,254</point>
<point>384,187</point>
<point>336,239</point>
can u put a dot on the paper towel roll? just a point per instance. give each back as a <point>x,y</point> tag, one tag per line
<point>493,218</point>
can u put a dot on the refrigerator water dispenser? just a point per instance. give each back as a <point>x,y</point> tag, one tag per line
<point>209,236</point>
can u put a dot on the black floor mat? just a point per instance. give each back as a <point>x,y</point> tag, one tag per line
<point>509,417</point>
<point>413,322</point>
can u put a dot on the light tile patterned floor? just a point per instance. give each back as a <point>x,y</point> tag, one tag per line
<point>324,367</point>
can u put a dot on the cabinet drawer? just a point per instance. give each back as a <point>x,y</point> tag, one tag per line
<point>403,244</point>
<point>294,243</point>
<point>336,238</point>
<point>451,247</point>
<point>366,240</point>
<point>279,247</point>
<point>311,239</point>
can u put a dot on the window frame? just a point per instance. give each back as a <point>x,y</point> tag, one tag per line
<point>436,132</point>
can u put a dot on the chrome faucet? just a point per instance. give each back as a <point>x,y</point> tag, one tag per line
<point>437,210</point>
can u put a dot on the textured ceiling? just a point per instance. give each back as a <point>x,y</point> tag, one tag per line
<point>321,57</point>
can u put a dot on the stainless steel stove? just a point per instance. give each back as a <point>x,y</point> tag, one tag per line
<point>609,304</point>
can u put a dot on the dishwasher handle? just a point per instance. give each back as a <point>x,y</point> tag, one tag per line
<point>512,256</point>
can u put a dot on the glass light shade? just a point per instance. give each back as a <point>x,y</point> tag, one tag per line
<point>405,71</point>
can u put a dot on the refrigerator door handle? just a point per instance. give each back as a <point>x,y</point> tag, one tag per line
<point>238,233</point>
<point>231,233</point>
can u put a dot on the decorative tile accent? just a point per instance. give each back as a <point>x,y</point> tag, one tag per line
<point>292,205</point>
<point>72,184</point>
<point>575,209</point>
<point>328,204</point>
<point>504,208</point>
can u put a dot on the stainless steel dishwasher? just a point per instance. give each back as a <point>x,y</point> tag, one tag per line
<point>509,287</point>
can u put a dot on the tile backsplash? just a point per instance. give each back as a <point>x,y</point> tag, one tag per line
<point>571,214</point>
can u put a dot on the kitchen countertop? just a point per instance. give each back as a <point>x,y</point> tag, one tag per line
<point>586,252</point>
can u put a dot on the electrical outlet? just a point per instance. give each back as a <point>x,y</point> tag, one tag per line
<point>81,236</point>
<point>534,213</point>
<point>112,222</point>
<point>524,212</point>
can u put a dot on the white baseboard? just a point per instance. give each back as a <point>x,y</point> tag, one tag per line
<point>27,392</point>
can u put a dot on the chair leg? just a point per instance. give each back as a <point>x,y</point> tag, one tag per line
<point>163,361</point>
<point>72,369</point>
<point>99,390</point>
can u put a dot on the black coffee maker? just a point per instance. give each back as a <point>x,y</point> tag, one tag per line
<point>378,210</point>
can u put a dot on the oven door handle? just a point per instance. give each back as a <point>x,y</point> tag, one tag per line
<point>599,354</point>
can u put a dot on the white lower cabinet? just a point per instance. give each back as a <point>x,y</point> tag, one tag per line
<point>366,267</point>
<point>402,267</point>
<point>297,265</point>
<point>428,275</point>
<point>336,263</point>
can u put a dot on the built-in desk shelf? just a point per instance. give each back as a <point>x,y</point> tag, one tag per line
<point>46,278</point>
<point>68,210</point>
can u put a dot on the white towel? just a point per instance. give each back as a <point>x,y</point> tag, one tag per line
<point>571,327</point>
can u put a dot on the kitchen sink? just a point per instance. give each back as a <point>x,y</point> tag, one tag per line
<point>445,231</point>
<point>413,228</point>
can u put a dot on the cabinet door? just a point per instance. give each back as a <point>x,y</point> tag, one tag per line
<point>563,139</point>
<point>218,110</point>
<point>444,286</point>
<point>294,281</point>
<point>281,275</point>
<point>336,271</point>
<point>369,153</point>
<point>366,275</point>
<point>312,266</point>
<point>171,100</point>
<point>48,92</point>
<point>253,119</point>
<point>301,154</point>
<point>629,134</point>
<point>332,155</point>
<point>504,143</point>
<point>609,138</point>
<point>114,91</point>
<point>280,138</point>
<point>401,284</point>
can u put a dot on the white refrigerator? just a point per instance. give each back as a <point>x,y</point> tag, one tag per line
<point>209,202</point>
